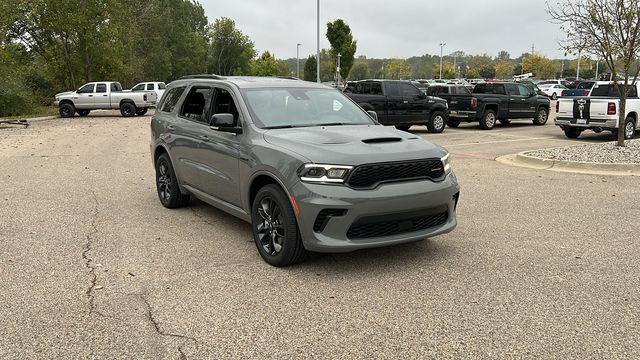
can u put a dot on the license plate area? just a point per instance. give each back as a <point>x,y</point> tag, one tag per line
<point>581,121</point>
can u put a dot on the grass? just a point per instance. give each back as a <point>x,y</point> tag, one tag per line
<point>36,112</point>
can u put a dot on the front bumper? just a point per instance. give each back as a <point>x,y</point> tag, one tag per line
<point>385,201</point>
<point>587,123</point>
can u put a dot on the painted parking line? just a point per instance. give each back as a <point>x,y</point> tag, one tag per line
<point>506,141</point>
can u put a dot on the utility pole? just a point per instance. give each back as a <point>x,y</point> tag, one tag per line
<point>597,68</point>
<point>318,47</point>
<point>533,49</point>
<point>441,46</point>
<point>455,58</point>
<point>298,60</point>
<point>338,70</point>
<point>562,69</point>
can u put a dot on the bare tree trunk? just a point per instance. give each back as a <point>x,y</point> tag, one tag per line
<point>622,117</point>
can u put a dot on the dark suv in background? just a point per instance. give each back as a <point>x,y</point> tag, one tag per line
<point>306,166</point>
<point>400,103</point>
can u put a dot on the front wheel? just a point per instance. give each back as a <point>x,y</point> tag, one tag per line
<point>67,110</point>
<point>629,128</point>
<point>488,120</point>
<point>541,117</point>
<point>437,122</point>
<point>128,110</point>
<point>572,133</point>
<point>275,229</point>
<point>167,184</point>
<point>141,111</point>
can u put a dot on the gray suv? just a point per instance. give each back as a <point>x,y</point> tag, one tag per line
<point>305,165</point>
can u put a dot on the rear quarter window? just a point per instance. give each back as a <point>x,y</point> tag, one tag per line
<point>171,98</point>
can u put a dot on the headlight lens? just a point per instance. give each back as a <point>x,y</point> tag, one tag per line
<point>445,163</point>
<point>316,173</point>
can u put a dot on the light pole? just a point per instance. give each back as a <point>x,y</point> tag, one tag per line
<point>318,46</point>
<point>338,70</point>
<point>298,60</point>
<point>597,68</point>
<point>441,46</point>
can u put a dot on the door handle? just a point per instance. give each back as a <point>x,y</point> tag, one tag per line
<point>90,95</point>
<point>406,102</point>
<point>104,95</point>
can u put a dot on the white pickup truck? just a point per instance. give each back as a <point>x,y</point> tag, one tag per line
<point>154,86</point>
<point>104,95</point>
<point>599,111</point>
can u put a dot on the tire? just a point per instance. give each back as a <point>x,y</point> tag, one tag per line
<point>554,96</point>
<point>504,121</point>
<point>275,229</point>
<point>454,123</point>
<point>572,133</point>
<point>403,127</point>
<point>541,117</point>
<point>488,120</point>
<point>128,110</point>
<point>142,111</point>
<point>167,184</point>
<point>83,112</point>
<point>437,122</point>
<point>629,128</point>
<point>67,110</point>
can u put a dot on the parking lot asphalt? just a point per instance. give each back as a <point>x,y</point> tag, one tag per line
<point>542,264</point>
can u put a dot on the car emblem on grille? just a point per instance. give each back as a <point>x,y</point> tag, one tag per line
<point>581,105</point>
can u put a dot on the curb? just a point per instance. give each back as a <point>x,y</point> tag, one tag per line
<point>36,119</point>
<point>532,162</point>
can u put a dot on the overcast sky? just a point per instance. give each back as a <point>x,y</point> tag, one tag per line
<point>396,28</point>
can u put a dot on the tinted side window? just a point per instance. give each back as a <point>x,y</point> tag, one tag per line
<point>408,90</point>
<point>101,88</point>
<point>437,90</point>
<point>138,88</point>
<point>170,99</point>
<point>513,89</point>
<point>224,104</point>
<point>87,89</point>
<point>151,87</point>
<point>461,90</point>
<point>392,89</point>
<point>376,88</point>
<point>116,87</point>
<point>195,103</point>
<point>162,86</point>
<point>524,91</point>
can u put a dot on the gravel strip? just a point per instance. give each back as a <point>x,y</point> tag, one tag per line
<point>607,153</point>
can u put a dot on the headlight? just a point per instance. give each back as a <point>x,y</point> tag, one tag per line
<point>335,174</point>
<point>445,163</point>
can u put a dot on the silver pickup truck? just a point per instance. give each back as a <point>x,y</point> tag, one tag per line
<point>104,95</point>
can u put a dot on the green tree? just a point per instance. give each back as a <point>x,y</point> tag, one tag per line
<point>359,71</point>
<point>310,69</point>
<point>265,65</point>
<point>398,69</point>
<point>504,69</point>
<point>540,66</point>
<point>487,71</point>
<point>341,40</point>
<point>230,51</point>
<point>448,71</point>
<point>504,55</point>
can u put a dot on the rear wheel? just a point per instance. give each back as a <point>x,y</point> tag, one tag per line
<point>572,133</point>
<point>167,184</point>
<point>275,229</point>
<point>454,123</point>
<point>83,112</point>
<point>541,117</point>
<point>403,127</point>
<point>141,111</point>
<point>629,128</point>
<point>437,122</point>
<point>128,110</point>
<point>67,110</point>
<point>488,120</point>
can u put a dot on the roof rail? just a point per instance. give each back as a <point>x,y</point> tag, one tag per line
<point>287,77</point>
<point>203,76</point>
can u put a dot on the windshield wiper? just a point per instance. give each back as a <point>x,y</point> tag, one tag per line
<point>281,127</point>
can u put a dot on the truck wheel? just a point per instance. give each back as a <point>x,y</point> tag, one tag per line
<point>128,110</point>
<point>541,117</point>
<point>67,110</point>
<point>275,229</point>
<point>167,184</point>
<point>437,122</point>
<point>83,112</point>
<point>488,120</point>
<point>141,111</point>
<point>629,128</point>
<point>572,133</point>
<point>454,123</point>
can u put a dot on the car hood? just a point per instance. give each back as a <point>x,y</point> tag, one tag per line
<point>66,93</point>
<point>353,144</point>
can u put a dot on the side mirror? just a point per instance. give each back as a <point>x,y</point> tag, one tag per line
<point>373,114</point>
<point>225,123</point>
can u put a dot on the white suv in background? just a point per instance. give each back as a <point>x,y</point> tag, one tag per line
<point>157,87</point>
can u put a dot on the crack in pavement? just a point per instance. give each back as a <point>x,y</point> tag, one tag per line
<point>88,260</point>
<point>158,329</point>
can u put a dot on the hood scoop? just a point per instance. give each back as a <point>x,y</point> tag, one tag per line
<point>382,140</point>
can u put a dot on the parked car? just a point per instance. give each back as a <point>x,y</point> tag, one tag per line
<point>307,167</point>
<point>505,101</point>
<point>401,104</point>
<point>156,87</point>
<point>564,82</point>
<point>598,112</point>
<point>582,88</point>
<point>459,100</point>
<point>103,95</point>
<point>552,90</point>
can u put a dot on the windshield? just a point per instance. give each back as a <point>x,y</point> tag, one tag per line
<point>612,91</point>
<point>299,107</point>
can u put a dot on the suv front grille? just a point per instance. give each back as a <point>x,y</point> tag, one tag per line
<point>382,226</point>
<point>371,175</point>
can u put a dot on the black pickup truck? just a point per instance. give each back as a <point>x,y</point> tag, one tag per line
<point>490,102</point>
<point>400,103</point>
<point>458,98</point>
